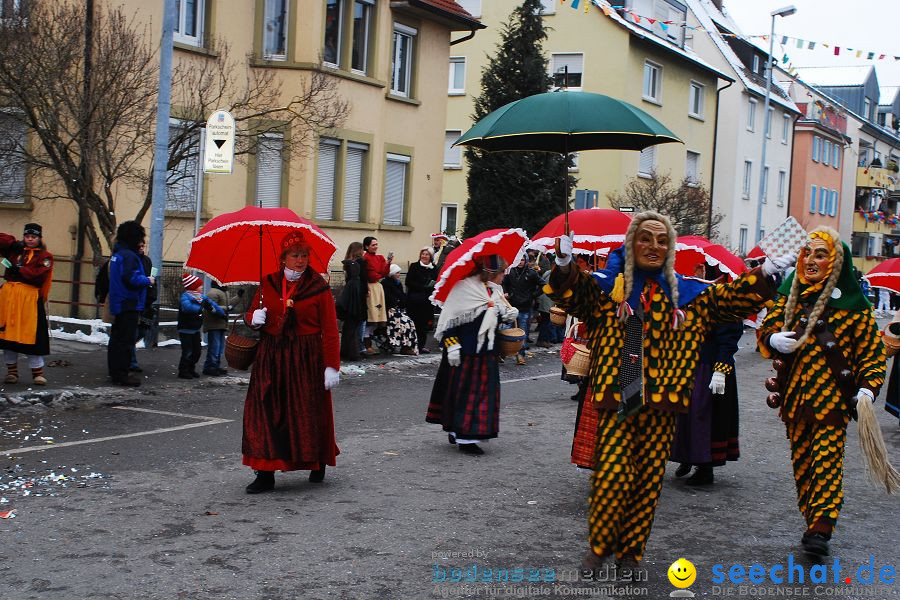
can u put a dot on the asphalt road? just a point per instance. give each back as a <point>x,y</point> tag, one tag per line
<point>163,513</point>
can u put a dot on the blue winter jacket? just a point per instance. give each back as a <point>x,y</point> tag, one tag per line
<point>190,312</point>
<point>127,281</point>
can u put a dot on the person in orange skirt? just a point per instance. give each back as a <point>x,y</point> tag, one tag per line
<point>288,416</point>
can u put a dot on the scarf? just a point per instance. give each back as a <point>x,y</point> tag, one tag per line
<point>466,302</point>
<point>195,295</point>
<point>426,266</point>
<point>292,275</point>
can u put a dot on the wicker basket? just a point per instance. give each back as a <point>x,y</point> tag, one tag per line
<point>557,315</point>
<point>240,351</point>
<point>580,362</point>
<point>510,341</point>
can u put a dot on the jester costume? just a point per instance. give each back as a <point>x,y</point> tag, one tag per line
<point>641,376</point>
<point>839,350</point>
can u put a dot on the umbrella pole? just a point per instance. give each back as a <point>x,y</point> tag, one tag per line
<point>565,164</point>
<point>260,266</point>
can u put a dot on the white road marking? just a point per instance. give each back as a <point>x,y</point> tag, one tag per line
<point>530,378</point>
<point>204,422</point>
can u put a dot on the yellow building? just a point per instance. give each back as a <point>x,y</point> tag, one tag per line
<point>641,63</point>
<point>378,174</point>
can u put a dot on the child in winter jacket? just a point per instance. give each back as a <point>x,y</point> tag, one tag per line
<point>190,321</point>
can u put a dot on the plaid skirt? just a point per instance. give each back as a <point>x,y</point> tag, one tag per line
<point>465,400</point>
<point>584,442</point>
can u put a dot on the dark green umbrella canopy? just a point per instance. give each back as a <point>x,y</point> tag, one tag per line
<point>566,122</point>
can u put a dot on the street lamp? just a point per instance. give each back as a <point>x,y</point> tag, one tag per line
<point>781,12</point>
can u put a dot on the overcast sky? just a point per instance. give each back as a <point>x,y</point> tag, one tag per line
<point>868,25</point>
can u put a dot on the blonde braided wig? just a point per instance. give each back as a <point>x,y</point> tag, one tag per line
<point>825,287</point>
<point>668,267</point>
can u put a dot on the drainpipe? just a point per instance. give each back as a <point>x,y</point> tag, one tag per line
<point>712,177</point>
<point>464,38</point>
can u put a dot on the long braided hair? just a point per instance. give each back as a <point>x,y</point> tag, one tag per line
<point>836,250</point>
<point>668,267</point>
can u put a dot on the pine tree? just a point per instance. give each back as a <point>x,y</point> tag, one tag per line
<point>514,189</point>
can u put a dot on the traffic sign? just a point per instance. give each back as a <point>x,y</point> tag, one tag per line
<point>219,157</point>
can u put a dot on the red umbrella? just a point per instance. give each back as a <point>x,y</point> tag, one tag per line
<point>242,246</point>
<point>593,229</point>
<point>885,275</point>
<point>691,250</point>
<point>756,253</point>
<point>508,243</point>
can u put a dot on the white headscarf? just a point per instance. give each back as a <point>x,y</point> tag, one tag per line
<point>466,302</point>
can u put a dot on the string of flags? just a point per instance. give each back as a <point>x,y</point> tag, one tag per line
<point>798,43</point>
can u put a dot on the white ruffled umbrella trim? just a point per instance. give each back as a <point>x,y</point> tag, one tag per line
<point>469,256</point>
<point>545,244</point>
<point>713,262</point>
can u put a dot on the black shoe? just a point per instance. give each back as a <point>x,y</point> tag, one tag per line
<point>211,372</point>
<point>473,449</point>
<point>683,469</point>
<point>702,476</point>
<point>264,482</point>
<point>424,351</point>
<point>185,375</point>
<point>815,544</point>
<point>317,476</point>
<point>451,438</point>
<point>135,370</point>
<point>195,374</point>
<point>128,381</point>
<point>222,371</point>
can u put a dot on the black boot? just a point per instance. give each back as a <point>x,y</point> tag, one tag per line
<point>702,476</point>
<point>815,544</point>
<point>683,469</point>
<point>318,475</point>
<point>264,482</point>
<point>473,449</point>
<point>451,438</point>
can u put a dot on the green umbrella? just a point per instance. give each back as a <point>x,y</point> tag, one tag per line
<point>565,122</point>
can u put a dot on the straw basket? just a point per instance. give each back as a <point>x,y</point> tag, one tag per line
<point>557,315</point>
<point>580,362</point>
<point>239,350</point>
<point>510,341</point>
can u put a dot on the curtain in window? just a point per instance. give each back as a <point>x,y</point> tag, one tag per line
<point>275,29</point>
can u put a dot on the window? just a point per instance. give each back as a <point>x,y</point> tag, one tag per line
<point>756,63</point>
<point>692,168</point>
<point>573,166</point>
<point>12,183</point>
<point>362,24</point>
<point>748,175</point>
<point>765,184</point>
<point>863,157</point>
<point>698,92</point>
<point>401,60</point>
<point>871,245</point>
<point>782,181</point>
<point>742,240</point>
<point>395,188</point>
<point>647,161</point>
<point>189,23</point>
<point>751,114</point>
<point>652,81</point>
<point>326,176</point>
<point>275,30</point>
<point>836,156</point>
<point>548,7</point>
<point>567,70</point>
<point>448,218</point>
<point>812,200</point>
<point>882,118</point>
<point>769,114</point>
<point>785,127</point>
<point>867,109</point>
<point>834,202</point>
<point>354,178</point>
<point>334,24</point>
<point>183,183</point>
<point>473,7</point>
<point>452,154</point>
<point>457,82</point>
<point>269,166</point>
<point>815,148</point>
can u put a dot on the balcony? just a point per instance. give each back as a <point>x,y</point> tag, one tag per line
<point>876,223</point>
<point>875,177</point>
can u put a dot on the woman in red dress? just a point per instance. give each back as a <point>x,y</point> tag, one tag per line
<point>288,418</point>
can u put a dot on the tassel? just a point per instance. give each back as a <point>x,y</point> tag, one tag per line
<point>677,319</point>
<point>623,311</point>
<point>871,441</point>
<point>618,291</point>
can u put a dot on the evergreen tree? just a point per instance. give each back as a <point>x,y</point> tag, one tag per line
<point>514,189</point>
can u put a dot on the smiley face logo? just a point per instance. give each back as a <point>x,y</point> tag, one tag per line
<point>682,573</point>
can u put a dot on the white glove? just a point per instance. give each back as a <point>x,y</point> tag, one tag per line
<point>865,394</point>
<point>453,355</point>
<point>778,264</point>
<point>783,342</point>
<point>717,383</point>
<point>510,315</point>
<point>332,378</point>
<point>259,317</point>
<point>564,254</point>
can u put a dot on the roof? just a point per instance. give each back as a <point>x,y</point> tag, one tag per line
<point>835,76</point>
<point>643,34</point>
<point>887,94</point>
<point>704,10</point>
<point>721,18</point>
<point>451,9</point>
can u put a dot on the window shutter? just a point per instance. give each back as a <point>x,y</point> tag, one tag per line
<point>812,200</point>
<point>575,62</point>
<point>181,183</point>
<point>692,166</point>
<point>268,171</point>
<point>452,156</point>
<point>12,180</point>
<point>325,177</point>
<point>823,197</point>
<point>394,189</point>
<point>353,181</point>
<point>646,160</point>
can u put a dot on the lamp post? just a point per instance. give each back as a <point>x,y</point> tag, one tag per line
<point>781,12</point>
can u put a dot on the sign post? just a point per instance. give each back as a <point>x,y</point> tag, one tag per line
<point>219,147</point>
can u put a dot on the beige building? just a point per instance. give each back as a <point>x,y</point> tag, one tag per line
<point>608,52</point>
<point>379,174</point>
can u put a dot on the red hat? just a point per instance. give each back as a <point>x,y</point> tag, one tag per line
<point>292,239</point>
<point>440,236</point>
<point>191,282</point>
